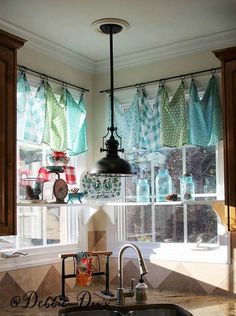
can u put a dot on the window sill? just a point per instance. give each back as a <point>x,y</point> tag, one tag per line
<point>179,252</point>
<point>118,203</point>
<point>36,257</point>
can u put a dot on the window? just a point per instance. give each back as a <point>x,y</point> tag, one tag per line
<point>43,227</point>
<point>175,230</point>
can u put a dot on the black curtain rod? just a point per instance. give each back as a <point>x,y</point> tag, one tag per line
<point>44,76</point>
<point>212,70</point>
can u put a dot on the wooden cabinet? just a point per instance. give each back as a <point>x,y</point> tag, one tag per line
<point>228,61</point>
<point>8,69</point>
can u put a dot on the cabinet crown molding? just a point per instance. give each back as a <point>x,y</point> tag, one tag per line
<point>11,41</point>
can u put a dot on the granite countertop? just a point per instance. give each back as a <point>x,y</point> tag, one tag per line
<point>198,305</point>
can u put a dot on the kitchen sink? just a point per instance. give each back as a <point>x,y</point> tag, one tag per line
<point>142,310</point>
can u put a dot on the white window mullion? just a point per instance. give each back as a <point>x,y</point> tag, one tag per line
<point>18,229</point>
<point>44,211</point>
<point>185,219</point>
<point>121,218</point>
<point>185,215</point>
<point>184,162</point>
<point>153,198</point>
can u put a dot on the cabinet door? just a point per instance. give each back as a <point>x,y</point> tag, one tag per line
<point>9,44</point>
<point>7,142</point>
<point>230,131</point>
<point>228,62</point>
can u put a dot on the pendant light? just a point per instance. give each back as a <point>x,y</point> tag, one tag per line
<point>111,164</point>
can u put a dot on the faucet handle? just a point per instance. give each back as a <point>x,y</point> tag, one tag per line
<point>132,284</point>
<point>130,292</point>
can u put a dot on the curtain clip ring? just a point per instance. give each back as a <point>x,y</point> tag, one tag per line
<point>23,69</point>
<point>213,71</point>
<point>182,77</point>
<point>142,86</point>
<point>162,82</point>
<point>44,78</point>
<point>138,86</point>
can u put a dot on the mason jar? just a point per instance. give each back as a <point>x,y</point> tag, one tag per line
<point>187,190</point>
<point>143,191</point>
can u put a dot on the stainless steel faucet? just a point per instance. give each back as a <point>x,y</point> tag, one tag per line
<point>142,266</point>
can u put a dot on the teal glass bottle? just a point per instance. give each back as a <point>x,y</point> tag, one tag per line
<point>187,189</point>
<point>163,183</point>
<point>143,191</point>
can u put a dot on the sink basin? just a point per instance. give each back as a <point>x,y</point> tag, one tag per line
<point>142,310</point>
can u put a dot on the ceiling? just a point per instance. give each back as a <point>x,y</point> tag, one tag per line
<point>156,26</point>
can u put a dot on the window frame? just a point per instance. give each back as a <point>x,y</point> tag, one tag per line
<point>181,251</point>
<point>47,253</point>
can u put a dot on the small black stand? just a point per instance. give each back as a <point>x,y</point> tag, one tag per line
<point>65,276</point>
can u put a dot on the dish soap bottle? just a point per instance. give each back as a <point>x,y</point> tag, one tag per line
<point>141,291</point>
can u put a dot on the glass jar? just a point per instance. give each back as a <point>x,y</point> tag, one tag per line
<point>142,191</point>
<point>31,190</point>
<point>163,185</point>
<point>187,190</point>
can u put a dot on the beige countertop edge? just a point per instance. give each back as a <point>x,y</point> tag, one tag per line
<point>198,305</point>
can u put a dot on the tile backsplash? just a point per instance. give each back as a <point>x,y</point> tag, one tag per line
<point>199,278</point>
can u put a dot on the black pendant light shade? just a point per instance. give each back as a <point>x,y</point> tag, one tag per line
<point>112,164</point>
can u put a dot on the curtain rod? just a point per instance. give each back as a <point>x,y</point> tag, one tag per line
<point>212,70</point>
<point>43,76</point>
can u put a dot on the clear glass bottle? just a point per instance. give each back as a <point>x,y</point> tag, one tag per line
<point>142,191</point>
<point>187,190</point>
<point>163,185</point>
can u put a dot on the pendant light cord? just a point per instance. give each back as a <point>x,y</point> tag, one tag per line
<point>111,81</point>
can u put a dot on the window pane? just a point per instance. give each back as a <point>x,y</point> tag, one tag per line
<point>30,225</point>
<point>141,165</point>
<point>138,223</point>
<point>201,162</point>
<point>169,224</point>
<point>30,159</point>
<point>8,242</point>
<point>202,224</point>
<point>171,159</point>
<point>55,226</point>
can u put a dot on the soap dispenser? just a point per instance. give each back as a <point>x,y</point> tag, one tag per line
<point>141,291</point>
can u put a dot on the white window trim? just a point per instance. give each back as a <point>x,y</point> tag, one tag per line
<point>37,256</point>
<point>174,251</point>
<point>179,252</point>
<point>48,254</point>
